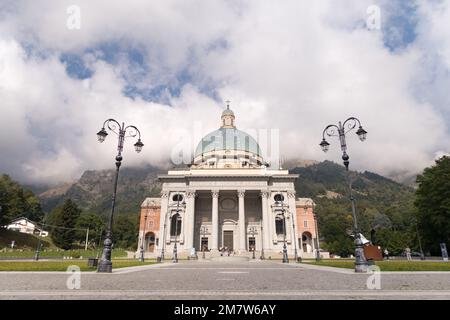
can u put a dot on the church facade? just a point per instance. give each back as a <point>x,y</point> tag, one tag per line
<point>228,198</point>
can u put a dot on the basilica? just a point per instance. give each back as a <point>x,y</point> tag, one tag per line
<point>228,200</point>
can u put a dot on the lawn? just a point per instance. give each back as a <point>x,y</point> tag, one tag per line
<point>62,265</point>
<point>58,253</point>
<point>22,240</point>
<point>390,265</point>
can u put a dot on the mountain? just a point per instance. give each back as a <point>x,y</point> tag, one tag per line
<point>382,205</point>
<point>92,192</point>
<point>323,181</point>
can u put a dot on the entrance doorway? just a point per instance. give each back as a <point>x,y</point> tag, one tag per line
<point>251,244</point>
<point>204,244</point>
<point>150,242</point>
<point>228,239</point>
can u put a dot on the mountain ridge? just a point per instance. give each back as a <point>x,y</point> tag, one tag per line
<point>92,191</point>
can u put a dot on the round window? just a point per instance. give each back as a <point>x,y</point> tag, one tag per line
<point>278,197</point>
<point>177,197</point>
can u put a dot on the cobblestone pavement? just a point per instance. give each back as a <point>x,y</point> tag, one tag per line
<point>225,280</point>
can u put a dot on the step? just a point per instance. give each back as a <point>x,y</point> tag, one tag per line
<point>230,258</point>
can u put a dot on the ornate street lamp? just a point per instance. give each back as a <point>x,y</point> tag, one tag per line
<point>39,246</point>
<point>252,231</point>
<point>179,197</point>
<point>295,241</point>
<point>262,241</point>
<point>280,204</point>
<point>105,264</point>
<point>340,131</point>
<point>141,257</point>
<point>415,221</point>
<point>203,231</point>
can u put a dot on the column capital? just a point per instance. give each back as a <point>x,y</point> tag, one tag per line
<point>215,193</point>
<point>291,194</point>
<point>264,194</point>
<point>190,194</point>
<point>241,193</point>
<point>164,194</point>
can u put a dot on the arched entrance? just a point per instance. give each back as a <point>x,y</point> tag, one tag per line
<point>150,241</point>
<point>307,242</point>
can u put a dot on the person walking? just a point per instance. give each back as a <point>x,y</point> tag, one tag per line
<point>386,254</point>
<point>408,254</point>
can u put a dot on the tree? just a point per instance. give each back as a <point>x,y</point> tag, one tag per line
<point>125,231</point>
<point>15,201</point>
<point>64,220</point>
<point>433,204</point>
<point>91,221</point>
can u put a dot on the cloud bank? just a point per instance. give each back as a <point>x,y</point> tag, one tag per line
<point>168,66</point>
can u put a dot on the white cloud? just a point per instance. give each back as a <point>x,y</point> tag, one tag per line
<point>296,67</point>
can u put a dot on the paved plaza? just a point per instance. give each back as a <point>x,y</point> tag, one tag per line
<point>225,280</point>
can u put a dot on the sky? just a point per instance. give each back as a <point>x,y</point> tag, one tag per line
<point>167,67</point>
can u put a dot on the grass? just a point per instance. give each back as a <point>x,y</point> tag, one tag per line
<point>390,265</point>
<point>26,244</point>
<point>57,253</point>
<point>63,265</point>
<point>22,240</point>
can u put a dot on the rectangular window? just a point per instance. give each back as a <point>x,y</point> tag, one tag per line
<point>279,226</point>
<point>305,224</point>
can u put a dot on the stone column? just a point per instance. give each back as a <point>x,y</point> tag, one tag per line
<point>215,220</point>
<point>265,216</point>
<point>242,226</point>
<point>162,220</point>
<point>190,219</point>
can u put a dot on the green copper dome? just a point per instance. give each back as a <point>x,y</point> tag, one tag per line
<point>227,139</point>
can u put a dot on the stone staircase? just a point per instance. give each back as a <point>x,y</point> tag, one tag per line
<point>217,256</point>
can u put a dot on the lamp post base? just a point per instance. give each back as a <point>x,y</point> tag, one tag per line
<point>104,266</point>
<point>285,256</point>
<point>361,264</point>
<point>361,268</point>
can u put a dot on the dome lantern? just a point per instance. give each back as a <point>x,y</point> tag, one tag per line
<point>228,117</point>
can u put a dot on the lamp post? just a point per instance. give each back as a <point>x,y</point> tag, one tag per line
<point>38,249</point>
<point>279,204</point>
<point>340,131</point>
<point>203,230</point>
<point>141,257</point>
<point>105,264</point>
<point>39,245</point>
<point>175,253</point>
<point>295,240</point>
<point>262,241</point>
<point>422,256</point>
<point>252,231</point>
